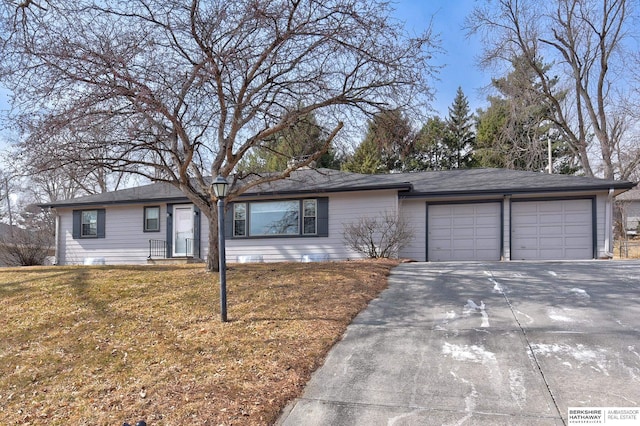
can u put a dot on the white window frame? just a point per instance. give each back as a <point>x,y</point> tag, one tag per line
<point>146,219</point>
<point>92,223</point>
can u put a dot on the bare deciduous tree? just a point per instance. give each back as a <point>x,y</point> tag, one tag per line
<point>583,42</point>
<point>182,90</point>
<point>380,236</point>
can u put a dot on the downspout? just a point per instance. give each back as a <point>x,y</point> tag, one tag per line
<point>608,223</point>
<point>56,238</point>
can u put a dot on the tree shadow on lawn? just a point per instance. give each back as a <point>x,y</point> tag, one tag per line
<point>12,287</point>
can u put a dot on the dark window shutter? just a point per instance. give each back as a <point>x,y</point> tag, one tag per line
<point>77,214</point>
<point>196,231</point>
<point>101,222</point>
<point>323,217</point>
<point>169,229</point>
<point>228,221</point>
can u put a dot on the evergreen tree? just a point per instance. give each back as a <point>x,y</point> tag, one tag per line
<point>429,147</point>
<point>366,159</point>
<point>386,146</point>
<point>514,131</point>
<point>294,143</point>
<point>460,139</point>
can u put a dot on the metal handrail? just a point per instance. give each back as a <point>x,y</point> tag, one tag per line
<point>158,249</point>
<point>193,246</point>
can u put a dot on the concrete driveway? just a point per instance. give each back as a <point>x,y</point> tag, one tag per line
<point>512,343</point>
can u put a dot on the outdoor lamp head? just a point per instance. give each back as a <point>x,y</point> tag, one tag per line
<point>220,187</point>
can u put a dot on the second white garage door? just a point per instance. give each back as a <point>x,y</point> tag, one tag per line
<point>551,230</point>
<point>464,232</point>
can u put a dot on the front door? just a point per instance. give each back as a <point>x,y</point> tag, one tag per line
<point>182,231</point>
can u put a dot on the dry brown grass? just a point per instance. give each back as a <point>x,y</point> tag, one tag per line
<point>627,249</point>
<point>104,345</point>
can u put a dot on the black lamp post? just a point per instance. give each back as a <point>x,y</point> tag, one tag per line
<point>221,189</point>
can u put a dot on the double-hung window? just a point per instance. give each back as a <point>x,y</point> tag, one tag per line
<point>152,219</point>
<point>285,218</point>
<point>89,223</point>
<point>309,217</point>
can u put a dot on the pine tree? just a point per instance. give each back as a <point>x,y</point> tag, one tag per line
<point>386,147</point>
<point>460,139</point>
<point>428,153</point>
<point>275,153</point>
<point>514,131</point>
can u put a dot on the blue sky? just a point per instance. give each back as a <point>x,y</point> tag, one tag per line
<point>458,58</point>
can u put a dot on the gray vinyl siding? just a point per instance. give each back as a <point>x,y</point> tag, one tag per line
<point>125,241</point>
<point>343,208</point>
<point>414,213</point>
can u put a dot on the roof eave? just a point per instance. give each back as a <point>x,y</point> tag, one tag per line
<point>112,202</point>
<point>399,187</point>
<point>624,186</point>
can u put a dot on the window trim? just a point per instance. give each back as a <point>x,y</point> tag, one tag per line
<point>300,234</point>
<point>304,216</point>
<point>234,220</point>
<point>77,228</point>
<point>83,223</point>
<point>145,219</point>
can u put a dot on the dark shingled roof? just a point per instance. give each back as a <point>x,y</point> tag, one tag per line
<point>632,195</point>
<point>421,184</point>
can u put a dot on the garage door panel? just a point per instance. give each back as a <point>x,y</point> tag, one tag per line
<point>548,219</point>
<point>574,230</point>
<point>463,221</point>
<point>485,233</point>
<point>550,207</point>
<point>549,230</point>
<point>464,232</point>
<point>486,220</point>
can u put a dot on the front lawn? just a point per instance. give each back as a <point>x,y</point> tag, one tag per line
<point>105,345</point>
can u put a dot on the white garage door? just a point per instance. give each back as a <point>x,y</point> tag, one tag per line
<point>551,230</point>
<point>464,232</point>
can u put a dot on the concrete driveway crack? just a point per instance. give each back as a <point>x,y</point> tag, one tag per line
<point>500,289</point>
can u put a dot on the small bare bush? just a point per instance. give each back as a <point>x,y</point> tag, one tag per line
<point>25,247</point>
<point>376,237</point>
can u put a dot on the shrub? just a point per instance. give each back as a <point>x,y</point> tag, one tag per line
<point>381,236</point>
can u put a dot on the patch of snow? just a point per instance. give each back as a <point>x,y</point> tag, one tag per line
<point>447,317</point>
<point>556,316</point>
<point>496,287</point>
<point>470,401</point>
<point>471,306</point>
<point>392,421</point>
<point>580,293</point>
<point>568,364</point>
<point>516,385</point>
<point>595,359</point>
<point>529,319</point>
<point>473,353</point>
